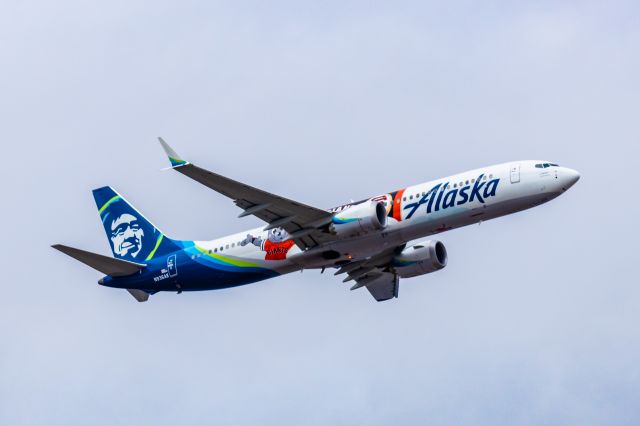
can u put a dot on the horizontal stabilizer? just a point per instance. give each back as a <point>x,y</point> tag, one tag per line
<point>139,295</point>
<point>106,265</point>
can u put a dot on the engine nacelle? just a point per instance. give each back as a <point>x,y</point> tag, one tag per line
<point>421,258</point>
<point>360,219</point>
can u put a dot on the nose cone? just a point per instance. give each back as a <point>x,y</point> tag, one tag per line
<point>569,178</point>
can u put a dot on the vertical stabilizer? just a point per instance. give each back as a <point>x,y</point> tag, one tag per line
<point>131,236</point>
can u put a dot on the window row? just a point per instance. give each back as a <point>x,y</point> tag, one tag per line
<point>220,249</point>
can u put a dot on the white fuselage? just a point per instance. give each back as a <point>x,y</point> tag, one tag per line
<point>419,211</point>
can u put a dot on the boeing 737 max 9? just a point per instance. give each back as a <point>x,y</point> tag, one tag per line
<point>368,240</point>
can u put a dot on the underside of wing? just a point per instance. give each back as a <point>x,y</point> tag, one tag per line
<point>304,223</point>
<point>385,287</point>
<point>374,273</point>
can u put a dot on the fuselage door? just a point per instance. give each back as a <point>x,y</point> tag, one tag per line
<point>515,173</point>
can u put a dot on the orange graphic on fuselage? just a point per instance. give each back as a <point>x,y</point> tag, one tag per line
<point>276,246</point>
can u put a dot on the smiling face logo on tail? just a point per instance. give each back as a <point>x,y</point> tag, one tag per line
<point>126,235</point>
<point>131,236</point>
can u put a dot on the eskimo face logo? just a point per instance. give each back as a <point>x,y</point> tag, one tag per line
<point>126,235</point>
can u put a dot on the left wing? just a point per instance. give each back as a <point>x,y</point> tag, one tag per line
<point>303,223</point>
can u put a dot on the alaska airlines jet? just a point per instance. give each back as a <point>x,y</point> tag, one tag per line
<point>369,240</point>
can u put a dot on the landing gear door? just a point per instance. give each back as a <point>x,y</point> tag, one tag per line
<point>515,173</point>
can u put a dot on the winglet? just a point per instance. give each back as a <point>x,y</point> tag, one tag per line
<point>174,158</point>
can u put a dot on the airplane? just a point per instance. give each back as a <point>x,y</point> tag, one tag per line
<point>369,241</point>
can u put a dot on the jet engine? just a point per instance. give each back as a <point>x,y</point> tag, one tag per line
<point>360,219</point>
<point>421,258</point>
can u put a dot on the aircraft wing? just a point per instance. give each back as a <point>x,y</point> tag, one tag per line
<point>385,288</point>
<point>374,273</point>
<point>382,285</point>
<point>301,221</point>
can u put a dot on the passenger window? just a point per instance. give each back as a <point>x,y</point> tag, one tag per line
<point>467,182</point>
<point>490,176</point>
<point>215,250</point>
<point>473,180</point>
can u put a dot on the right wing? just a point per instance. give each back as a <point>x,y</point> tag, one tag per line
<point>302,222</point>
<point>374,273</point>
<point>382,285</point>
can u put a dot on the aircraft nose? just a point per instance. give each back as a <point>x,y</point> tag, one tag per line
<point>570,177</point>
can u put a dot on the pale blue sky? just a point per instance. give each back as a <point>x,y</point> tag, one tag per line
<point>534,321</point>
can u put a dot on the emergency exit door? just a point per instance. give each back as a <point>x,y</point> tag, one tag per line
<point>515,173</point>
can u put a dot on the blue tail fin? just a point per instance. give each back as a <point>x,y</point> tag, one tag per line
<point>131,235</point>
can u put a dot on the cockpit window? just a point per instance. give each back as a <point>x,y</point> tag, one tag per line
<point>545,165</point>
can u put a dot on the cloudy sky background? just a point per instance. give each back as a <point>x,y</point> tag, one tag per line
<point>535,320</point>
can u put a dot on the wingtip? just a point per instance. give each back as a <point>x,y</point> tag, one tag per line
<point>174,158</point>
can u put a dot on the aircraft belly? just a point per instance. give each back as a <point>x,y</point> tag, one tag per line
<point>444,220</point>
<point>190,273</point>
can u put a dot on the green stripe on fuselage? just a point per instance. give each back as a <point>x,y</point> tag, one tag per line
<point>234,262</point>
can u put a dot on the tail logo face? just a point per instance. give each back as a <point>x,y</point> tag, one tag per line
<point>126,236</point>
<point>131,236</point>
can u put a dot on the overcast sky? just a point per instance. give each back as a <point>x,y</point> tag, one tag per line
<point>534,321</point>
